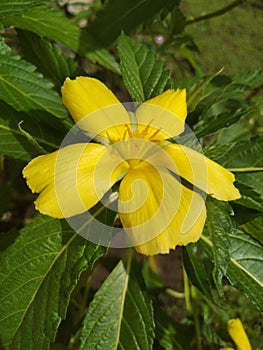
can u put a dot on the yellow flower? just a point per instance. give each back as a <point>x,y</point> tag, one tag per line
<point>157,211</point>
<point>238,334</point>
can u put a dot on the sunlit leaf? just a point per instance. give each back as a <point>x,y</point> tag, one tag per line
<point>15,7</point>
<point>37,276</point>
<point>120,315</point>
<point>144,75</point>
<point>25,89</point>
<point>244,269</point>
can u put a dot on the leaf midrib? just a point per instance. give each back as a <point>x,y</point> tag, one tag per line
<point>235,262</point>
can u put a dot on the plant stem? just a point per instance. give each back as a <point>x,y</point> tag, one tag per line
<point>215,13</point>
<point>174,293</point>
<point>245,170</point>
<point>196,319</point>
<point>187,294</point>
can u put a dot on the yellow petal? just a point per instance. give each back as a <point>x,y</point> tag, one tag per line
<point>201,171</point>
<point>157,212</point>
<point>72,179</point>
<point>165,112</point>
<point>238,334</point>
<point>94,107</point>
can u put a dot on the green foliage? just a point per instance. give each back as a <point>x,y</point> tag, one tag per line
<point>120,315</point>
<point>144,75</point>
<point>54,290</point>
<point>47,255</point>
<point>23,88</point>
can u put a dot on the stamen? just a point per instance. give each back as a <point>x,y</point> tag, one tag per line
<point>129,131</point>
<point>155,134</point>
<point>109,138</point>
<point>148,126</point>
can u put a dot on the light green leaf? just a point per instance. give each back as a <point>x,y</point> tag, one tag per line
<point>37,276</point>
<point>245,265</point>
<point>49,59</point>
<point>218,224</point>
<point>120,315</point>
<point>144,74</point>
<point>23,88</point>
<point>15,7</point>
<point>119,15</point>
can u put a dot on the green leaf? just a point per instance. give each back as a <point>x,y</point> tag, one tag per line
<point>245,266</point>
<point>197,270</point>
<point>144,75</point>
<point>243,155</point>
<point>119,15</point>
<point>105,59</point>
<point>37,276</point>
<point>15,144</point>
<point>50,23</point>
<point>23,88</point>
<point>217,122</point>
<point>16,7</point>
<point>218,224</point>
<point>171,335</point>
<point>49,59</point>
<point>198,90</point>
<point>249,198</point>
<point>255,228</point>
<point>120,315</point>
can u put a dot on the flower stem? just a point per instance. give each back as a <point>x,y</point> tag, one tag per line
<point>245,170</point>
<point>215,13</point>
<point>187,294</point>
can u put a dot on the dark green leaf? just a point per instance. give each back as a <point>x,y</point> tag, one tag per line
<point>218,225</point>
<point>255,228</point>
<point>144,75</point>
<point>249,198</point>
<point>15,144</point>
<point>50,23</point>
<point>197,91</point>
<point>37,276</point>
<point>6,239</point>
<point>16,7</point>
<point>217,122</point>
<point>197,270</point>
<point>242,155</point>
<point>23,88</point>
<point>119,15</point>
<point>49,59</point>
<point>171,335</point>
<point>105,59</point>
<point>245,266</point>
<point>120,315</point>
